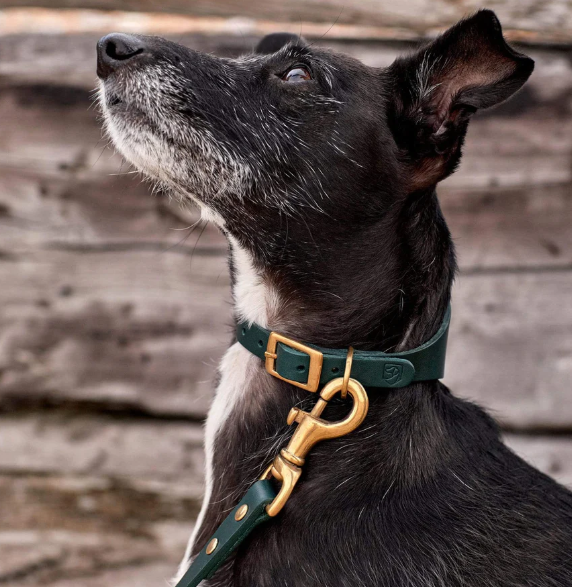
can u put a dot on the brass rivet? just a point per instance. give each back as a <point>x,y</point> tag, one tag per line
<point>211,547</point>
<point>241,512</point>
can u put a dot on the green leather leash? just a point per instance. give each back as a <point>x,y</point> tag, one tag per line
<point>298,363</point>
<point>249,513</point>
<point>309,367</point>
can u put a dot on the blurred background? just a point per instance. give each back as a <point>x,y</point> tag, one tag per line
<point>115,306</point>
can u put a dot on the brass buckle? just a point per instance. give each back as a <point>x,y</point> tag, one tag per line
<point>316,361</point>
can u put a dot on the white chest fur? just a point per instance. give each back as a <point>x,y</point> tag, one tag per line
<point>255,302</point>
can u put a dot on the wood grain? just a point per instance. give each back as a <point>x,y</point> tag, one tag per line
<point>149,454</point>
<point>552,456</point>
<point>137,329</point>
<point>55,528</point>
<point>547,21</point>
<point>162,457</point>
<point>142,331</point>
<point>511,346</point>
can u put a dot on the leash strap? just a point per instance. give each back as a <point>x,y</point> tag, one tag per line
<point>310,366</point>
<point>236,527</point>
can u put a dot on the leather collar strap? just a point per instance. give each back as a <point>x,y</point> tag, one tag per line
<point>309,366</point>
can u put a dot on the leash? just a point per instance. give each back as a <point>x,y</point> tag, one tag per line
<point>308,367</point>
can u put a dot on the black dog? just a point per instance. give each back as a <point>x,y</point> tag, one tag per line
<point>322,173</point>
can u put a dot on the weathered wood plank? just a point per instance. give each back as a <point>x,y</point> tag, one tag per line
<point>69,527</point>
<point>36,58</point>
<point>55,186</point>
<point>502,149</point>
<point>89,495</point>
<point>97,497</point>
<point>105,212</point>
<point>140,575</point>
<point>59,183</point>
<point>148,454</point>
<point>163,457</point>
<point>82,495</point>
<point>511,346</point>
<point>61,528</point>
<point>137,328</point>
<point>32,561</point>
<point>552,456</point>
<point>510,229</point>
<point>549,21</point>
<point>492,227</point>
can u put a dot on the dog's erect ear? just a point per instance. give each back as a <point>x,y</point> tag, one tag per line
<point>436,90</point>
<point>275,41</point>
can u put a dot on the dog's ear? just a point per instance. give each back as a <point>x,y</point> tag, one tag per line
<point>275,41</point>
<point>436,90</point>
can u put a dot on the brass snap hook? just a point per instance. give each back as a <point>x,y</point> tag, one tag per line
<point>311,430</point>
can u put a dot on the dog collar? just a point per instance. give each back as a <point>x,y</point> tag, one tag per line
<point>310,366</point>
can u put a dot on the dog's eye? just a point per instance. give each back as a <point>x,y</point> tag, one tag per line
<point>297,74</point>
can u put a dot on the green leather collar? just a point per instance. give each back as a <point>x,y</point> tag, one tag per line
<point>303,367</point>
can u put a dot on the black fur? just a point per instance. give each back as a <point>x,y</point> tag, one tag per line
<point>340,216</point>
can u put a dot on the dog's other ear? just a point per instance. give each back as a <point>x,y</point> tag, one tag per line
<point>436,90</point>
<point>275,41</point>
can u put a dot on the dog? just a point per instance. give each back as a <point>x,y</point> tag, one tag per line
<point>321,172</point>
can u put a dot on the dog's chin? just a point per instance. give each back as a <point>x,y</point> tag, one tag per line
<point>142,149</point>
<point>132,135</point>
<point>135,145</point>
<point>191,166</point>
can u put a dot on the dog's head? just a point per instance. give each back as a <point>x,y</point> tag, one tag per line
<point>293,150</point>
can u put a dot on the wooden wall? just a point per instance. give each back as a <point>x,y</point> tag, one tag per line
<point>113,313</point>
<point>535,21</point>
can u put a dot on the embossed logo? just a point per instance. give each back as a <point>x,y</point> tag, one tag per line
<point>392,373</point>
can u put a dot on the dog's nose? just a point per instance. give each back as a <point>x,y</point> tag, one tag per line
<point>115,50</point>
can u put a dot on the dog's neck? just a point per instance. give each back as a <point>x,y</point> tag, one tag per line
<point>383,309</point>
<point>388,300</point>
<point>399,304</point>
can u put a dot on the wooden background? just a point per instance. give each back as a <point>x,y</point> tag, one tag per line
<point>113,313</point>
